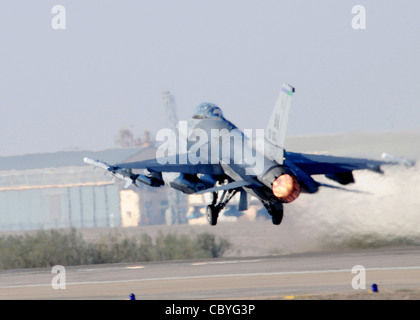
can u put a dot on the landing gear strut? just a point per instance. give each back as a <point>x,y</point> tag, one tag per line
<point>275,210</point>
<point>215,207</point>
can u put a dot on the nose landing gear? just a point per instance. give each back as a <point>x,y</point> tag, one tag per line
<point>213,209</point>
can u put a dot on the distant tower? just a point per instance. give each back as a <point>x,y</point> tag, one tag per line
<point>169,109</point>
<point>175,214</point>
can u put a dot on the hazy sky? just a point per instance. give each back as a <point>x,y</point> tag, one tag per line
<point>75,88</point>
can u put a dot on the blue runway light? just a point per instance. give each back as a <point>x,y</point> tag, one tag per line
<point>374,287</point>
<point>132,296</point>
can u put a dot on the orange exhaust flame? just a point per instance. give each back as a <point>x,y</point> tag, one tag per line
<point>286,188</point>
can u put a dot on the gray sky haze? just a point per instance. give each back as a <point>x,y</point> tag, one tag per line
<point>75,88</point>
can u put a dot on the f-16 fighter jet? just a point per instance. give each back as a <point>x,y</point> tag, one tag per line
<point>209,154</point>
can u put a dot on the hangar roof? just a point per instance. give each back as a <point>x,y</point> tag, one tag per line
<point>66,158</point>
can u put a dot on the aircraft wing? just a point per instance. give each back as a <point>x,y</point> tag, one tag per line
<point>322,164</point>
<point>176,163</point>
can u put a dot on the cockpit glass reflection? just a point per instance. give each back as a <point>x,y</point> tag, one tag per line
<point>207,110</point>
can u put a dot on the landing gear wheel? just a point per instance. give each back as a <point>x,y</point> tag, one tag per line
<point>212,214</point>
<point>276,212</point>
<point>277,217</point>
<point>213,210</point>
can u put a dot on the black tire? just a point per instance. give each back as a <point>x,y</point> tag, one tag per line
<point>276,212</point>
<point>277,218</point>
<point>212,214</point>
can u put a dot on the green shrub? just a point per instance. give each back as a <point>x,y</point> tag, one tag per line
<point>53,247</point>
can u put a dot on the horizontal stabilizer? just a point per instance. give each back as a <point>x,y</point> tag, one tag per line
<point>326,185</point>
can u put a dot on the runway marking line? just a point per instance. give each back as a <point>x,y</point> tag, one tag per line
<point>106,269</point>
<point>223,262</point>
<point>214,276</point>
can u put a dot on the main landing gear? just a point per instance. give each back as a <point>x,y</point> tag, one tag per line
<point>215,207</point>
<point>275,210</point>
<point>212,212</point>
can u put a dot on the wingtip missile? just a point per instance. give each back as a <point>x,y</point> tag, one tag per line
<point>125,174</point>
<point>96,163</point>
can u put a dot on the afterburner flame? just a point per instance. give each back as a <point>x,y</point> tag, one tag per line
<point>286,188</point>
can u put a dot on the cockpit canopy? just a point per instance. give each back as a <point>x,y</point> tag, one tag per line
<point>207,110</point>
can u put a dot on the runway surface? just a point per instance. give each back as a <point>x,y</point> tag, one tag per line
<point>273,277</point>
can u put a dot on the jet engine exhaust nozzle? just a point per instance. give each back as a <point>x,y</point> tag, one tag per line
<point>286,188</point>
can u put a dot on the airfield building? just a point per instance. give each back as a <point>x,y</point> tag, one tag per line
<point>58,190</point>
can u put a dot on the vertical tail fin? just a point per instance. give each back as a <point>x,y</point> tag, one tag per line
<point>275,132</point>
